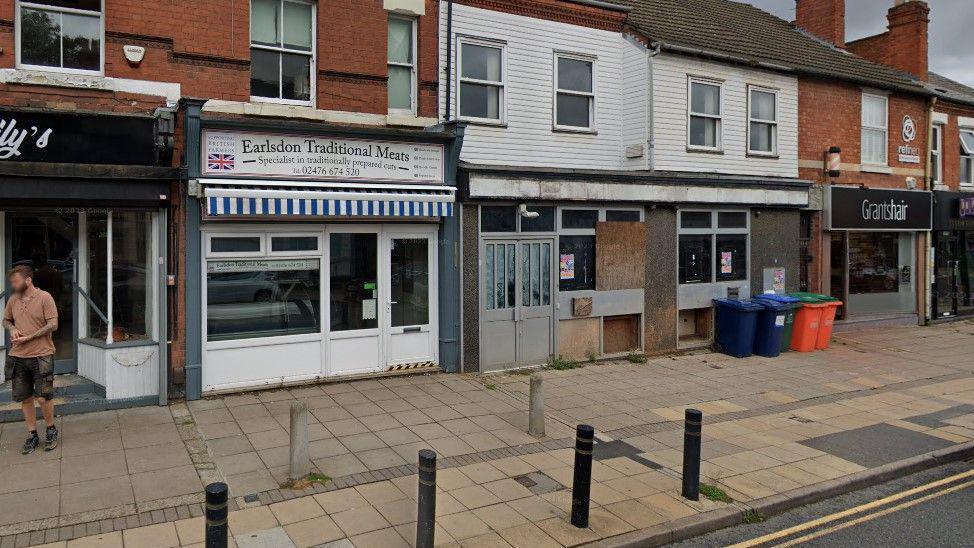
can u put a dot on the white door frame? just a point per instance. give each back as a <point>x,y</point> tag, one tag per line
<point>390,233</point>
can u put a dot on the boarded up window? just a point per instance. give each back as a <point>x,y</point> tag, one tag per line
<point>620,254</point>
<point>620,334</point>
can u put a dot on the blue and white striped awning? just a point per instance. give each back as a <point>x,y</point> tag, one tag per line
<point>231,198</point>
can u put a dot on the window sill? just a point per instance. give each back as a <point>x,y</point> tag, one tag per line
<point>763,155</point>
<point>577,131</point>
<point>284,102</point>
<point>717,151</point>
<point>121,344</point>
<point>483,122</point>
<point>29,77</point>
<point>875,168</point>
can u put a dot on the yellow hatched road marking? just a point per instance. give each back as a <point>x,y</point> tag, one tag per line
<point>850,512</point>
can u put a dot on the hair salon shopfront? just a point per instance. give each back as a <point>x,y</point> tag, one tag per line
<point>319,254</point>
<point>878,252</point>
<point>83,201</point>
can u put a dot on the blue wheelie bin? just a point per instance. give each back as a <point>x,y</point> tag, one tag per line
<point>770,327</point>
<point>736,323</point>
<point>793,304</point>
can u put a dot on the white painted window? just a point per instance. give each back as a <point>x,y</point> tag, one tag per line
<point>936,158</point>
<point>574,92</point>
<point>874,129</point>
<point>762,113</point>
<point>61,36</point>
<point>282,51</point>
<point>967,158</point>
<point>480,93</point>
<point>402,65</point>
<point>704,114</point>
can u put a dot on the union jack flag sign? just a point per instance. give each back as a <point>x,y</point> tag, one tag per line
<point>220,162</point>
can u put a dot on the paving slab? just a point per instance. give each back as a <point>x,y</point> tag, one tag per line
<point>877,445</point>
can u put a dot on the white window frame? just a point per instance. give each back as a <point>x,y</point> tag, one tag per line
<point>413,88</point>
<point>884,128</point>
<point>313,54</point>
<point>936,153</point>
<point>264,245</point>
<point>18,28</point>
<point>719,117</point>
<point>967,155</point>
<point>556,90</point>
<point>502,85</point>
<point>773,123</point>
<point>714,231</point>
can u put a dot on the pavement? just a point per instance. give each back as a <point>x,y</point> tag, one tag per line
<point>929,508</point>
<point>772,428</point>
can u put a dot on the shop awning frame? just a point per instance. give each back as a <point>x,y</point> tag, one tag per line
<point>239,198</point>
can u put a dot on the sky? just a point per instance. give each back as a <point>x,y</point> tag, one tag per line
<point>949,19</point>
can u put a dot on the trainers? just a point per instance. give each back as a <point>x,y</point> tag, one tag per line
<point>51,441</point>
<point>32,442</point>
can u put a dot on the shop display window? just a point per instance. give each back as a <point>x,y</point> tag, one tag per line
<point>713,246</point>
<point>874,261</point>
<point>579,251</point>
<point>695,258</point>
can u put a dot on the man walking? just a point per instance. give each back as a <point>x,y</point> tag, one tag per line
<point>31,319</point>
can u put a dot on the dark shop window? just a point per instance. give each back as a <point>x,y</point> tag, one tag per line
<point>695,261</point>
<point>731,219</point>
<point>576,263</point>
<point>579,218</point>
<point>695,219</point>
<point>235,244</point>
<point>731,260</point>
<point>544,222</point>
<point>498,219</point>
<point>621,216</point>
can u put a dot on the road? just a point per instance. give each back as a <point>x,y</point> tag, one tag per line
<point>931,508</point>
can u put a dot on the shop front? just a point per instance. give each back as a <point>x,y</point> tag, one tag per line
<point>953,254</point>
<point>876,251</point>
<point>319,254</point>
<point>83,201</point>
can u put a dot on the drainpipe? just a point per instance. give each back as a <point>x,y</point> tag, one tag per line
<point>449,59</point>
<point>928,185</point>
<point>651,120</point>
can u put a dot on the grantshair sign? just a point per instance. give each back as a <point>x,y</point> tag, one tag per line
<point>853,208</point>
<point>228,153</point>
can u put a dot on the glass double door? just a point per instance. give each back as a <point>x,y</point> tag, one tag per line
<point>954,263</point>
<point>517,292</point>
<point>382,299</point>
<point>48,242</point>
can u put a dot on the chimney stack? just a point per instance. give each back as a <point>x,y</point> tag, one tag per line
<point>906,46</point>
<point>823,18</point>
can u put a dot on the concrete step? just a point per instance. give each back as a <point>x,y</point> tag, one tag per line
<point>64,385</point>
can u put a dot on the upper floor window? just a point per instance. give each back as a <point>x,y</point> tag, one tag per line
<point>480,94</point>
<point>574,92</point>
<point>936,159</point>
<point>282,50</point>
<point>874,129</point>
<point>704,114</point>
<point>967,158</point>
<point>64,35</point>
<point>402,65</point>
<point>762,121</point>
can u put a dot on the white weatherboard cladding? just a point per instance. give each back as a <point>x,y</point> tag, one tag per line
<point>670,74</point>
<point>528,139</point>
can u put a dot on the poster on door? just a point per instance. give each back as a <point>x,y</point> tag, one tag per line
<point>566,266</point>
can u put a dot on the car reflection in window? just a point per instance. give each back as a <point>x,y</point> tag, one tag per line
<point>262,304</point>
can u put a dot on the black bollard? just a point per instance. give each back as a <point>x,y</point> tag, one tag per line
<point>691,454</point>
<point>426,514</point>
<point>582,483</point>
<point>216,515</point>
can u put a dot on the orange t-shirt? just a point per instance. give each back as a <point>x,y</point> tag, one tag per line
<point>29,313</point>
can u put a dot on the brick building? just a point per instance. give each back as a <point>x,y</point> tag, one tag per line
<point>213,196</point>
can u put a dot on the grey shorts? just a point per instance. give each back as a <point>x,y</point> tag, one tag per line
<point>31,377</point>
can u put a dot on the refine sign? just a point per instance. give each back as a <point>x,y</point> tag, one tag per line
<point>852,208</point>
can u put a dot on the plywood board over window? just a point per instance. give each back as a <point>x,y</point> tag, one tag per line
<point>620,255</point>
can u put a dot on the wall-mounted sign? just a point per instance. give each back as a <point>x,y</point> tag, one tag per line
<point>966,207</point>
<point>908,155</point>
<point>74,138</point>
<point>852,208</point>
<point>909,128</point>
<point>259,265</point>
<point>279,156</point>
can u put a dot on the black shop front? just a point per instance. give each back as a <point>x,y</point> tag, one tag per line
<point>953,254</point>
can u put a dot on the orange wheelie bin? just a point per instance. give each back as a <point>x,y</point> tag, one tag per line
<point>808,321</point>
<point>828,320</point>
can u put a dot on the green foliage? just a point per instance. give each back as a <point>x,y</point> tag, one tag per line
<point>561,364</point>
<point>636,357</point>
<point>714,493</point>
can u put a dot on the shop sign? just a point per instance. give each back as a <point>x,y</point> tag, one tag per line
<point>260,265</point>
<point>966,207</point>
<point>879,209</point>
<point>282,156</point>
<point>908,154</point>
<point>73,138</point>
